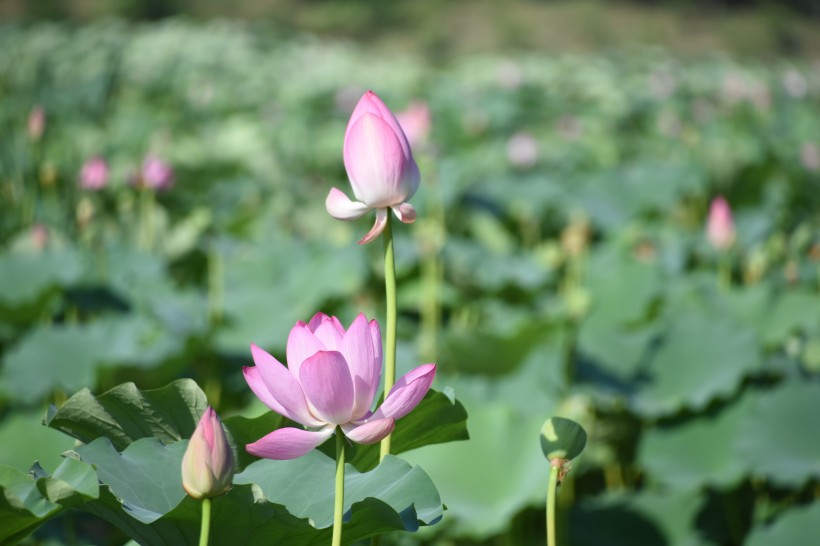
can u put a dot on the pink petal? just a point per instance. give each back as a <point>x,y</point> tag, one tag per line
<point>405,212</point>
<point>328,387</point>
<point>283,388</point>
<point>378,227</point>
<point>375,162</point>
<point>370,103</point>
<point>407,392</point>
<point>288,443</point>
<point>358,350</point>
<point>370,432</point>
<point>342,208</point>
<point>328,330</point>
<point>302,344</point>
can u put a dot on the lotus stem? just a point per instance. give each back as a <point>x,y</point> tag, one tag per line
<point>205,529</point>
<point>551,490</point>
<point>338,507</point>
<point>390,343</point>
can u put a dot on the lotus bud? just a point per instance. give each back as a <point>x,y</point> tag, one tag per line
<point>380,166</point>
<point>720,228</point>
<point>208,464</point>
<point>415,121</point>
<point>156,173</point>
<point>94,174</point>
<point>36,123</point>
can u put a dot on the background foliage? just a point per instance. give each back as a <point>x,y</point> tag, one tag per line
<point>558,265</point>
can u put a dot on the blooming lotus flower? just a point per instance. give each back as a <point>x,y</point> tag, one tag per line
<point>720,229</point>
<point>94,174</point>
<point>208,465</point>
<point>331,381</point>
<point>380,166</point>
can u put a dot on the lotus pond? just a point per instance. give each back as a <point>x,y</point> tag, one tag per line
<point>162,207</point>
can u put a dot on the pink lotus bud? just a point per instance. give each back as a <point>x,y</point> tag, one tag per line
<point>415,121</point>
<point>94,174</point>
<point>720,229</point>
<point>36,123</point>
<point>380,166</point>
<point>208,464</point>
<point>522,150</point>
<point>156,173</point>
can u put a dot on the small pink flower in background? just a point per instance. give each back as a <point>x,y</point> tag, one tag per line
<point>810,156</point>
<point>156,173</point>
<point>380,166</point>
<point>415,122</point>
<point>39,236</point>
<point>94,174</point>
<point>36,123</point>
<point>720,228</point>
<point>331,380</point>
<point>208,464</point>
<point>522,150</point>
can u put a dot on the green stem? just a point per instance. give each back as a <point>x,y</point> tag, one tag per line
<point>551,489</point>
<point>390,344</point>
<point>338,507</point>
<point>205,529</point>
<point>725,272</point>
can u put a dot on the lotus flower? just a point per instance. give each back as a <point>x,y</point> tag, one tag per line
<point>36,124</point>
<point>720,229</point>
<point>94,174</point>
<point>156,173</point>
<point>208,465</point>
<point>415,122</point>
<point>380,166</point>
<point>331,381</point>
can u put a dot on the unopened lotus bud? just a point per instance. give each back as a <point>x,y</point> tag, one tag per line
<point>208,465</point>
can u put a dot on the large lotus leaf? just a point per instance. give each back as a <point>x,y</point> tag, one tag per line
<point>774,315</point>
<point>24,437</point>
<point>29,277</point>
<point>67,357</point>
<point>271,285</point>
<point>28,500</point>
<point>777,438</point>
<point>486,480</point>
<point>700,357</point>
<point>698,451</point>
<point>796,527</point>
<point>283,501</point>
<point>125,414</point>
<point>637,519</point>
<point>621,286</point>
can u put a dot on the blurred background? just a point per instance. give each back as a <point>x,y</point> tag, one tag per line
<point>163,169</point>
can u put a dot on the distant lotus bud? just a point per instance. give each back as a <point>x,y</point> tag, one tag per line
<point>94,174</point>
<point>208,464</point>
<point>415,121</point>
<point>795,84</point>
<point>380,166</point>
<point>156,173</point>
<point>720,228</point>
<point>36,123</point>
<point>522,150</point>
<point>39,236</point>
<point>810,156</point>
<point>510,76</point>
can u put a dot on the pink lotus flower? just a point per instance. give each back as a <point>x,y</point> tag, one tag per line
<point>94,174</point>
<point>415,122</point>
<point>720,228</point>
<point>331,380</point>
<point>380,166</point>
<point>36,123</point>
<point>156,173</point>
<point>208,464</point>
